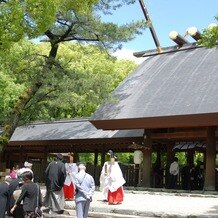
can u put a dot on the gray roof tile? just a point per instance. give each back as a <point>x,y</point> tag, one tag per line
<point>67,130</point>
<point>179,83</point>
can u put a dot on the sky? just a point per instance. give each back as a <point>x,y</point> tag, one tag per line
<point>166,16</point>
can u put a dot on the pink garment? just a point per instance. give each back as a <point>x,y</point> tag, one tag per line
<point>13,174</point>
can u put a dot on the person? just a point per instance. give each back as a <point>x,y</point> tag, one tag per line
<point>158,172</point>
<point>115,182</point>
<point>199,175</point>
<point>69,187</point>
<point>85,187</point>
<point>104,182</point>
<point>26,168</point>
<point>14,191</point>
<point>54,182</point>
<point>13,173</point>
<point>30,195</point>
<point>186,178</point>
<point>4,195</point>
<point>192,177</point>
<point>174,171</point>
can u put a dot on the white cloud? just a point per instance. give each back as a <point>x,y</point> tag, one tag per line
<point>127,54</point>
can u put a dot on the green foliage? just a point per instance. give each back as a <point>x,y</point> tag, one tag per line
<point>88,158</point>
<point>209,38</point>
<point>126,158</point>
<point>9,92</point>
<point>81,79</point>
<point>30,18</point>
<point>55,87</point>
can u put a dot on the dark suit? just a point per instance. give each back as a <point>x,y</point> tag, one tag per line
<point>4,195</point>
<point>14,184</point>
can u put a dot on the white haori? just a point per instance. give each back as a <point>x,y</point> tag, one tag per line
<point>72,170</point>
<point>174,168</point>
<point>116,179</point>
<point>111,178</point>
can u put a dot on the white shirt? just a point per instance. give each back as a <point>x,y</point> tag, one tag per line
<point>72,170</point>
<point>174,168</point>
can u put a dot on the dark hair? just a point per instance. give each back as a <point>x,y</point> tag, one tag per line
<point>27,175</point>
<point>59,156</point>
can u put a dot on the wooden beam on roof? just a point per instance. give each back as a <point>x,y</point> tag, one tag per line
<point>196,135</point>
<point>173,121</point>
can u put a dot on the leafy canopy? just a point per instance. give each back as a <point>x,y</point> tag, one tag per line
<point>209,38</point>
<point>81,79</point>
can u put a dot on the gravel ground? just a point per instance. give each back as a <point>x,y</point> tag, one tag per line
<point>156,204</point>
<point>152,204</point>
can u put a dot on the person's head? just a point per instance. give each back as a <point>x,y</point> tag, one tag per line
<point>110,153</point>
<point>112,159</point>
<point>8,179</point>
<point>28,164</point>
<point>59,156</point>
<point>27,176</point>
<point>81,166</point>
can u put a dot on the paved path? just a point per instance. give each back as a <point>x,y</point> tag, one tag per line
<point>152,204</point>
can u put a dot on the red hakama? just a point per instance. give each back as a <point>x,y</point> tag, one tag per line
<point>69,191</point>
<point>116,197</point>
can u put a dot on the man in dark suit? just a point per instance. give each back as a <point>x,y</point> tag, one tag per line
<point>55,177</point>
<point>4,195</point>
<point>15,185</point>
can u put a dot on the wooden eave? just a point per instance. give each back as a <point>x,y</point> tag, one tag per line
<point>174,121</point>
<point>76,145</point>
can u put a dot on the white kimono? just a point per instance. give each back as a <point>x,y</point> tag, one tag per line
<point>111,178</point>
<point>72,170</point>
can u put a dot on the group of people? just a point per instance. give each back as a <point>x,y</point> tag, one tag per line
<point>64,181</point>
<point>27,200</point>
<point>20,196</point>
<point>192,177</point>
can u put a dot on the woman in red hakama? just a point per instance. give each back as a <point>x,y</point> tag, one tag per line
<point>69,188</point>
<point>115,182</point>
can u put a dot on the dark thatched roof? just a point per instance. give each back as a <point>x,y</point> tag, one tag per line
<point>173,84</point>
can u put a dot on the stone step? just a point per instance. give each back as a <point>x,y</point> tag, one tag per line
<point>72,214</point>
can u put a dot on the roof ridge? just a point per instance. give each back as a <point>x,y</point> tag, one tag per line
<point>165,50</point>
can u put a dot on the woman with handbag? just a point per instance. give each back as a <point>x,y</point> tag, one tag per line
<point>31,197</point>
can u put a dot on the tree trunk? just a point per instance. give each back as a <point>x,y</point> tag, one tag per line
<point>19,108</point>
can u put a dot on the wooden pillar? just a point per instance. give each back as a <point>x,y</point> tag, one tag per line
<point>146,171</point>
<point>170,159</point>
<point>136,179</point>
<point>209,183</point>
<point>102,158</point>
<point>190,157</point>
<point>158,161</point>
<point>20,157</point>
<point>95,165</point>
<point>44,162</point>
